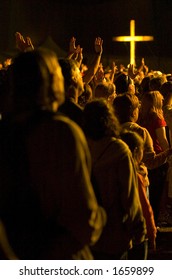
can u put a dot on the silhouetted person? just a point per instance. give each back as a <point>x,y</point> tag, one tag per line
<point>47,203</point>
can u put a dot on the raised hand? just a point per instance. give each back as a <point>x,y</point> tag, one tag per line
<point>72,46</point>
<point>23,44</point>
<point>75,52</point>
<point>98,44</point>
<point>131,71</point>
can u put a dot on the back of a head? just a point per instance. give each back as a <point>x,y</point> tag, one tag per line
<point>154,98</point>
<point>122,82</point>
<point>99,120</point>
<point>132,139</point>
<point>152,103</point>
<point>104,90</point>
<point>37,80</point>
<point>26,74</point>
<point>156,83</point>
<point>144,85</point>
<point>124,105</point>
<point>166,89</point>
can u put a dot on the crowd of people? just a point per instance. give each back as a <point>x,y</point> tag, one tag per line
<point>85,156</point>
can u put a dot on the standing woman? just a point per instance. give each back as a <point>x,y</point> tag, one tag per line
<point>151,117</point>
<point>115,182</point>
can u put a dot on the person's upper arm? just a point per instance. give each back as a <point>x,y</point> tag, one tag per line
<point>162,138</point>
<point>80,212</point>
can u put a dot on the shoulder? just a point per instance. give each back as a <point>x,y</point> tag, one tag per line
<point>159,122</point>
<point>142,131</point>
<point>65,124</point>
<point>120,148</point>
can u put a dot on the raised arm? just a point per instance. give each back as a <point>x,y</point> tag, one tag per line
<point>75,52</point>
<point>93,67</point>
<point>114,69</point>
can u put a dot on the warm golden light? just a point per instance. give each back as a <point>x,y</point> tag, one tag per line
<point>132,39</point>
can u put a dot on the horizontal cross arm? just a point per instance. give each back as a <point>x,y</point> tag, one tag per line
<point>132,38</point>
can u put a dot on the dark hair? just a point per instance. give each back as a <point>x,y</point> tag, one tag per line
<point>144,85</point>
<point>99,120</point>
<point>156,83</point>
<point>37,80</point>
<point>166,88</point>
<point>132,139</point>
<point>122,81</point>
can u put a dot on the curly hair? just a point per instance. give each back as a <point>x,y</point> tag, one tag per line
<point>99,120</point>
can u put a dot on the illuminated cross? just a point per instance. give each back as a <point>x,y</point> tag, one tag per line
<point>132,39</point>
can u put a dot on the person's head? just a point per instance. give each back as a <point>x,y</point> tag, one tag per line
<point>166,91</point>
<point>156,83</point>
<point>152,103</point>
<point>135,143</point>
<point>122,83</point>
<point>144,85</point>
<point>105,90</point>
<point>126,107</point>
<point>74,85</point>
<point>36,81</point>
<point>99,120</point>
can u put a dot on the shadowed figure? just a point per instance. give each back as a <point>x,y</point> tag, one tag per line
<point>47,203</point>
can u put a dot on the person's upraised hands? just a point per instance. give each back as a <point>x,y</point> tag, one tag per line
<point>98,44</point>
<point>131,71</point>
<point>79,55</point>
<point>23,44</point>
<point>144,67</point>
<point>75,52</point>
<point>72,46</point>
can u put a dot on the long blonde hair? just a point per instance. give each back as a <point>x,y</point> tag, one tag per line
<point>151,106</point>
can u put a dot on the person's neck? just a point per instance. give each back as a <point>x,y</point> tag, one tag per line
<point>73,94</point>
<point>132,119</point>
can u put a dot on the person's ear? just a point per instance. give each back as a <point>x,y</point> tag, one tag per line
<point>135,114</point>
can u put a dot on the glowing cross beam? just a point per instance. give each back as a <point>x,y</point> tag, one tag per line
<point>132,39</point>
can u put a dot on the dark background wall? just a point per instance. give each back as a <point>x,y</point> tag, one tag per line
<point>60,20</point>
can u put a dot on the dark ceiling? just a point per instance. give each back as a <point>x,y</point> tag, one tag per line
<point>86,20</point>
